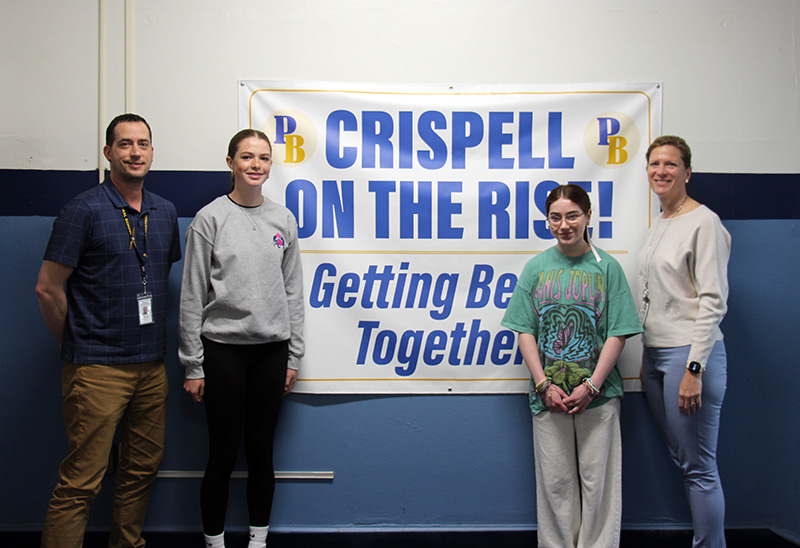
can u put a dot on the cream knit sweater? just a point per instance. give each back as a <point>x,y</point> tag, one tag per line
<point>684,265</point>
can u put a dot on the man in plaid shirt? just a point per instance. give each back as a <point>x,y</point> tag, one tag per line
<point>102,293</point>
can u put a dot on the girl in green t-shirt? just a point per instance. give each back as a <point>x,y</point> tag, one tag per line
<point>573,310</point>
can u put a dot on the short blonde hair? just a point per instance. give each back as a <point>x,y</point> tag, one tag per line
<point>675,141</point>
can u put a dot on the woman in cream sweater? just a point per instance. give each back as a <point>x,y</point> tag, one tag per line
<point>683,282</point>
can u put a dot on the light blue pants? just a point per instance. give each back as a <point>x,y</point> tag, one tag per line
<point>692,439</point>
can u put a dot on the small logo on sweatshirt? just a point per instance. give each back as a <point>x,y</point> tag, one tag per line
<point>278,241</point>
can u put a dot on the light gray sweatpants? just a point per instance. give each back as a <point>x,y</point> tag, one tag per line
<point>578,477</point>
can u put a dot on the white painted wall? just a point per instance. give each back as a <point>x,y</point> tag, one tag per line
<point>729,67</point>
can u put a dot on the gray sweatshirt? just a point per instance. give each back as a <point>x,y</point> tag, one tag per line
<point>242,281</point>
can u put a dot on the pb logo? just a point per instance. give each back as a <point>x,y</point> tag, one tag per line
<point>293,136</point>
<point>611,139</point>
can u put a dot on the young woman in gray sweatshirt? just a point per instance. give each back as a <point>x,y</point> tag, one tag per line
<point>241,330</point>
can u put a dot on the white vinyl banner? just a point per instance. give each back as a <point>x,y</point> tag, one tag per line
<point>418,207</point>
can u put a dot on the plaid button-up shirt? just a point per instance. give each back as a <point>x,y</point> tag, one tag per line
<point>90,235</point>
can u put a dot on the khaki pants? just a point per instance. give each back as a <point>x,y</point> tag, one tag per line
<point>578,477</point>
<point>97,399</point>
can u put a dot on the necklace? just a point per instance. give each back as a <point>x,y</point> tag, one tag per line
<point>651,250</point>
<point>246,215</point>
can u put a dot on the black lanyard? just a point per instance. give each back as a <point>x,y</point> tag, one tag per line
<point>141,256</point>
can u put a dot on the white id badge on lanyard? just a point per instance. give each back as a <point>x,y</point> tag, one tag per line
<point>145,301</point>
<point>643,308</point>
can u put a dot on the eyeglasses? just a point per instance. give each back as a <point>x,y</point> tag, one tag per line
<point>571,218</point>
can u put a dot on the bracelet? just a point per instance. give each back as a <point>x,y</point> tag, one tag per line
<point>542,386</point>
<point>591,387</point>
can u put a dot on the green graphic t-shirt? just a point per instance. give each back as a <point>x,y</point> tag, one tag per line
<point>571,305</point>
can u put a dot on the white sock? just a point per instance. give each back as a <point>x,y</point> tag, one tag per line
<point>217,541</point>
<point>258,537</point>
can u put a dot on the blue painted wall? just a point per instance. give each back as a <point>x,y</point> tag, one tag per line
<point>428,461</point>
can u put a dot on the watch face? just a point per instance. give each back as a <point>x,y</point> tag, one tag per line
<point>695,367</point>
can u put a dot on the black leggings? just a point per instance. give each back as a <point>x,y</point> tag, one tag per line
<point>244,387</point>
